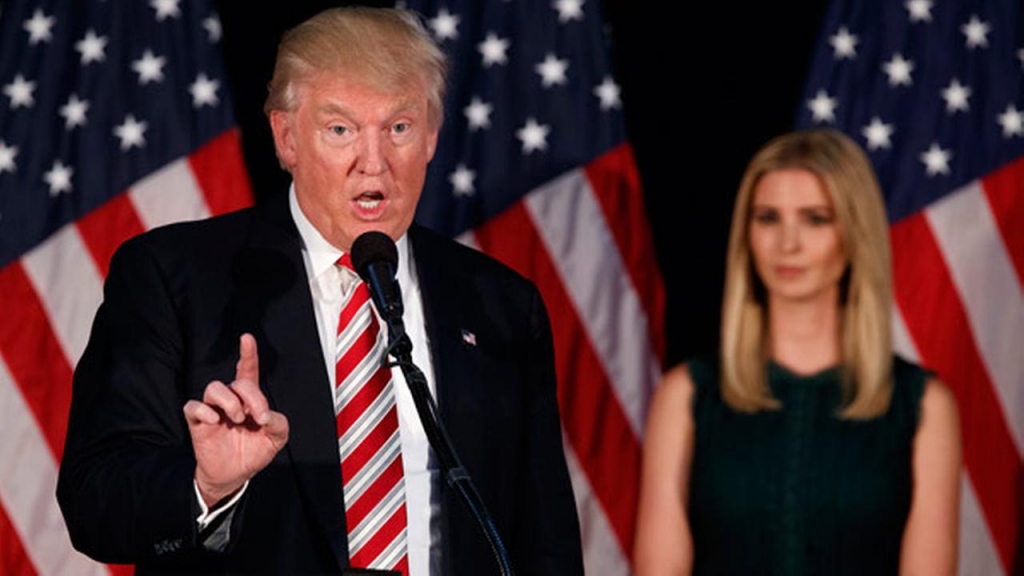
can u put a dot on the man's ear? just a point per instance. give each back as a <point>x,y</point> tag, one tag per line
<point>282,125</point>
<point>432,145</point>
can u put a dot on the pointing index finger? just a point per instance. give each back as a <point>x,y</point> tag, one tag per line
<point>248,367</point>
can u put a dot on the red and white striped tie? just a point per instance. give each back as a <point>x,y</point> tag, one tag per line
<point>368,438</point>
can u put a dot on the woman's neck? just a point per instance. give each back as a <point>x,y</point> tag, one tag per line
<point>804,336</point>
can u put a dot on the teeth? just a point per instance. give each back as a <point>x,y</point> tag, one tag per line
<point>368,204</point>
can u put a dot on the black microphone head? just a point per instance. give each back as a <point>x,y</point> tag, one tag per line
<point>372,247</point>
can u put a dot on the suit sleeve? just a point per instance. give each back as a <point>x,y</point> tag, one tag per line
<point>125,482</point>
<point>550,525</point>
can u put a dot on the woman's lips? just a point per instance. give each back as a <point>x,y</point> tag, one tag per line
<point>788,271</point>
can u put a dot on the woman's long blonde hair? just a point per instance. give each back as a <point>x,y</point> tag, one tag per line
<point>846,174</point>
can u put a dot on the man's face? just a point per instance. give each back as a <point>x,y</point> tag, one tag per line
<point>358,155</point>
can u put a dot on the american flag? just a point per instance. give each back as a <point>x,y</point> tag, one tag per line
<point>114,118</point>
<point>533,167</point>
<point>934,91</point>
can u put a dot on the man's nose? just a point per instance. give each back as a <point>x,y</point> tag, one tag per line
<point>372,153</point>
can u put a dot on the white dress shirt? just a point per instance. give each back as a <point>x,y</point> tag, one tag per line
<point>328,284</point>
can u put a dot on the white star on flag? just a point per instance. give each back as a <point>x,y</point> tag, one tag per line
<point>58,178</point>
<point>608,93</point>
<point>568,10</point>
<point>92,47</point>
<point>204,91</point>
<point>844,44</point>
<point>920,10</point>
<point>462,180</point>
<point>74,112</point>
<point>936,160</point>
<point>878,134</point>
<point>552,71</point>
<point>166,8</point>
<point>976,32</point>
<point>150,67</point>
<point>7,154</point>
<point>213,28</point>
<point>1012,122</point>
<point>478,113</point>
<point>822,107</point>
<point>956,96</point>
<point>898,69</point>
<point>20,92</point>
<point>533,135</point>
<point>130,132</point>
<point>39,27</point>
<point>493,49</point>
<point>445,25</point>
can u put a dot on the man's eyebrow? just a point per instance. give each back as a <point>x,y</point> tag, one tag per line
<point>337,108</point>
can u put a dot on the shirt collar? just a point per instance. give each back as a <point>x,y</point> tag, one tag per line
<point>322,254</point>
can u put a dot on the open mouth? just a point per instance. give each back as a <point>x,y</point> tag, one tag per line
<point>369,200</point>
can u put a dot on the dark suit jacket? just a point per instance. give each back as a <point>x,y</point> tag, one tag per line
<point>177,299</point>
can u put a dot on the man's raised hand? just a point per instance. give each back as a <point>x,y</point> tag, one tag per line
<point>234,432</point>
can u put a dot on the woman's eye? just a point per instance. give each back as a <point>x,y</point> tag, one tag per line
<point>765,217</point>
<point>819,219</point>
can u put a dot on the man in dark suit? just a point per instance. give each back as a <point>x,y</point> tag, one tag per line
<point>203,435</point>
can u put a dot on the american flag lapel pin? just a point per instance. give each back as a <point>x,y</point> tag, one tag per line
<point>468,337</point>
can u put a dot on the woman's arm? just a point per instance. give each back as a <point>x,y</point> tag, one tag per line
<point>663,543</point>
<point>930,540</point>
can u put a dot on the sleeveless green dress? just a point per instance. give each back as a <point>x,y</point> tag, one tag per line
<point>798,491</point>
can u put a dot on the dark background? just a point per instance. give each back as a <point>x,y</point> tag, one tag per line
<point>702,89</point>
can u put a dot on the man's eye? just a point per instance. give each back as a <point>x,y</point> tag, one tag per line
<point>338,130</point>
<point>400,127</point>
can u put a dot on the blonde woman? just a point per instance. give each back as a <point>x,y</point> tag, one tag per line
<point>807,447</point>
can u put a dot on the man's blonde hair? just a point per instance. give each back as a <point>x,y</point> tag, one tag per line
<point>386,48</point>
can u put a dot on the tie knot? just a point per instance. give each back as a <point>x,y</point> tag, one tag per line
<point>345,262</point>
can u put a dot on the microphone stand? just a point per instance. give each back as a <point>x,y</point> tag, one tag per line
<point>400,347</point>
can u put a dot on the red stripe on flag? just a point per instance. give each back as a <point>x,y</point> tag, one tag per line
<point>616,184</point>
<point>938,325</point>
<point>34,356</point>
<point>14,561</point>
<point>1004,189</point>
<point>219,169</point>
<point>592,418</point>
<point>105,228</point>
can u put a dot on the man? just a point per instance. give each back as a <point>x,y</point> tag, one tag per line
<point>211,428</point>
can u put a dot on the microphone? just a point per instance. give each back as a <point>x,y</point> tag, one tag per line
<point>375,258</point>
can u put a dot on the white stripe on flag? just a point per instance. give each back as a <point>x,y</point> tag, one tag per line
<point>572,226</point>
<point>168,195</point>
<point>27,489</point>
<point>468,238</point>
<point>65,277</point>
<point>977,553</point>
<point>902,343</point>
<point>976,256</point>
<point>601,552</point>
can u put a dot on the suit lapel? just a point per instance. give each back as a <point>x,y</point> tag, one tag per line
<point>446,305</point>
<point>292,365</point>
